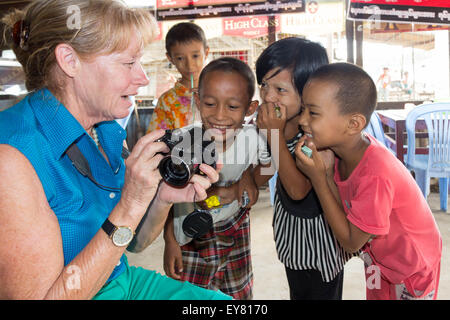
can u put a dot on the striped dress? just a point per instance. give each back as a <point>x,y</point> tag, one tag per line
<point>303,238</point>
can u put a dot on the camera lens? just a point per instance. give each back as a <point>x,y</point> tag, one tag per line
<point>177,169</point>
<point>176,175</point>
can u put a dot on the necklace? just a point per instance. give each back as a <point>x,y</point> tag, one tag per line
<point>95,136</point>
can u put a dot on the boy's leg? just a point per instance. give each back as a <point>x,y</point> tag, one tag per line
<point>200,261</point>
<point>221,258</point>
<point>379,288</point>
<point>237,273</point>
<point>406,291</point>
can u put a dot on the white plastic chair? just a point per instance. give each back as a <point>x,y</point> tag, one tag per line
<point>272,188</point>
<point>375,128</point>
<point>437,162</point>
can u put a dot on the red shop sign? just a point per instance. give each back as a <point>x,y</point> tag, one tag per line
<point>186,3</point>
<point>414,3</point>
<point>249,27</point>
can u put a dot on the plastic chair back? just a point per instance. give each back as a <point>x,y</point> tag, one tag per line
<point>437,119</point>
<point>437,162</point>
<point>375,128</point>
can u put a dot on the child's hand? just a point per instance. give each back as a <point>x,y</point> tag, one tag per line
<point>247,183</point>
<point>271,116</point>
<point>328,158</point>
<point>223,195</point>
<point>315,166</point>
<point>173,262</point>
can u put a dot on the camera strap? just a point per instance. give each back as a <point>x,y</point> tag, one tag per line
<point>80,163</point>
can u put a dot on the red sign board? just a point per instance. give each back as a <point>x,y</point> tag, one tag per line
<point>414,3</point>
<point>186,3</point>
<point>412,11</point>
<point>249,27</point>
<point>158,35</point>
<point>196,9</point>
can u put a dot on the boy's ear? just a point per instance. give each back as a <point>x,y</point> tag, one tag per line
<point>206,52</point>
<point>67,59</point>
<point>197,99</point>
<point>252,108</point>
<point>356,123</point>
<point>169,58</point>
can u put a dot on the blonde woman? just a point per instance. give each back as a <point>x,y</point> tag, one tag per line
<point>70,202</point>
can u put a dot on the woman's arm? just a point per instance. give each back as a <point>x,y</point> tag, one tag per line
<point>31,254</point>
<point>153,221</point>
<point>150,226</point>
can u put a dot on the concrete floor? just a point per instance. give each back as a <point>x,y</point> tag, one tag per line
<point>269,277</point>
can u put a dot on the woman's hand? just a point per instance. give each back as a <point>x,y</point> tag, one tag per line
<point>194,191</point>
<point>142,175</point>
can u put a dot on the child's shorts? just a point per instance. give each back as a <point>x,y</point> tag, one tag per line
<point>379,288</point>
<point>136,283</point>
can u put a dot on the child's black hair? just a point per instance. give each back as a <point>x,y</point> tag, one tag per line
<point>356,90</point>
<point>184,32</point>
<point>299,55</point>
<point>228,64</point>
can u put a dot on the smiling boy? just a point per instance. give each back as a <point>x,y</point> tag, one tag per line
<point>187,50</point>
<point>369,198</point>
<point>221,258</point>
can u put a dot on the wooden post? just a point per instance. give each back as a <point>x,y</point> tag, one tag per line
<point>271,28</point>
<point>359,32</point>
<point>350,35</point>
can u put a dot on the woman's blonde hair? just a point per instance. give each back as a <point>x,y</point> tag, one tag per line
<point>91,27</point>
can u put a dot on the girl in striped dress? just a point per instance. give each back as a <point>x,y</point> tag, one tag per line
<point>305,244</point>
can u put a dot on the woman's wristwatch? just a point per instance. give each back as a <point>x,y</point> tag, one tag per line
<point>120,236</point>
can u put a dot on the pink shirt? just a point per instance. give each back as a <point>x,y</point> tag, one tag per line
<point>381,198</point>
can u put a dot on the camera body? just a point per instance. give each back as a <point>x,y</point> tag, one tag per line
<point>188,149</point>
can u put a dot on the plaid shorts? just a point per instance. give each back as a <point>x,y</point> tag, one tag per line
<point>220,260</point>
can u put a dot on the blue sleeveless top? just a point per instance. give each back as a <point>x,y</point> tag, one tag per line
<point>42,129</point>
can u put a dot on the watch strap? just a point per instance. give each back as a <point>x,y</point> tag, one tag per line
<point>108,227</point>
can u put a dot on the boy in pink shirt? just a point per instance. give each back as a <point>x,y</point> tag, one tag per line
<point>369,198</point>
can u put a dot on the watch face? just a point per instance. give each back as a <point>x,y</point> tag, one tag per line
<point>122,236</point>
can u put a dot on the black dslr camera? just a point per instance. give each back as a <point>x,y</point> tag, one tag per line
<point>188,149</point>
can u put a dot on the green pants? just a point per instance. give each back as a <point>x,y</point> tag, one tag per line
<point>136,283</point>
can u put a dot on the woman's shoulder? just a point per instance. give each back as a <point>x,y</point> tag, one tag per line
<point>21,130</point>
<point>17,124</point>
